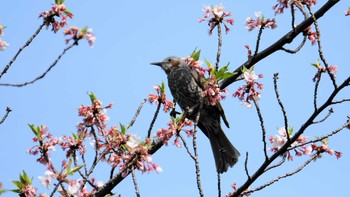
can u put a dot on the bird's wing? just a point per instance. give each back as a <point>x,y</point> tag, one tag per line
<point>201,83</point>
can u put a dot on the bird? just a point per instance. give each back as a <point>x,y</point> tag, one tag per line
<point>187,90</point>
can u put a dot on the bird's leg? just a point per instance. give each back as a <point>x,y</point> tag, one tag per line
<point>173,112</point>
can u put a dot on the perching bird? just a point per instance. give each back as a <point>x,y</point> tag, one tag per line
<point>187,90</point>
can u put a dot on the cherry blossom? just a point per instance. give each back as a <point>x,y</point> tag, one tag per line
<point>60,11</point>
<point>249,92</point>
<point>260,22</point>
<point>215,15</point>
<point>77,34</point>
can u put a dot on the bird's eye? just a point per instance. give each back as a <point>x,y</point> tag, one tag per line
<point>169,60</point>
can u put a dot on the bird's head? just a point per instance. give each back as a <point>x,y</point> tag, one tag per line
<point>169,63</point>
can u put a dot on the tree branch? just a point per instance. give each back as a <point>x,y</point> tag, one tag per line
<point>287,38</point>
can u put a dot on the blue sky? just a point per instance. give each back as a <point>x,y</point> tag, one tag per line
<point>132,34</point>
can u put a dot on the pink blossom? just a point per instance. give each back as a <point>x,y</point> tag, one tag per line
<point>260,22</point>
<point>3,45</point>
<point>46,180</point>
<point>133,141</point>
<point>77,34</point>
<point>248,92</point>
<point>28,190</point>
<point>215,15</point>
<point>56,11</point>
<point>310,2</point>
<point>347,13</point>
<point>282,5</point>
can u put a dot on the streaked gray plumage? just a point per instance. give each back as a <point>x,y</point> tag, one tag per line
<point>187,90</point>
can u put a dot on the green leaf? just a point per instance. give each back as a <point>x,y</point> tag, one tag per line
<point>25,178</point>
<point>84,30</point>
<point>18,184</point>
<point>196,54</point>
<point>36,130</point>
<point>68,12</point>
<point>162,88</point>
<point>92,97</point>
<point>290,131</point>
<point>123,128</point>
<point>75,169</point>
<point>15,190</point>
<point>59,2</point>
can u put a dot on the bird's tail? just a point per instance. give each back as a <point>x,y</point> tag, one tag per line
<point>225,154</point>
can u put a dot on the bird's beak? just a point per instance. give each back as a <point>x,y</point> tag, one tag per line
<point>157,63</point>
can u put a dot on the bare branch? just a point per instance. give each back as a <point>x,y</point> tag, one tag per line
<point>287,38</point>
<point>42,75</point>
<point>262,128</point>
<point>293,138</point>
<point>218,54</point>
<point>21,49</point>
<point>154,118</point>
<point>8,110</point>
<point>246,166</point>
<point>186,146</point>
<point>319,139</point>
<point>198,175</point>
<point>307,162</point>
<point>275,78</point>
<point>258,40</point>
<point>320,51</point>
<point>137,113</point>
<point>137,191</point>
<point>317,82</point>
<point>277,164</point>
<point>330,111</point>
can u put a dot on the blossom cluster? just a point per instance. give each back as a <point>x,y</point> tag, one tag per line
<point>278,141</point>
<point>59,10</point>
<point>311,35</point>
<point>249,91</point>
<point>161,97</point>
<point>260,22</point>
<point>3,44</point>
<point>320,69</point>
<point>78,34</point>
<point>215,15</point>
<point>209,82</point>
<point>175,126</point>
<point>300,146</point>
<point>112,145</point>
<point>282,4</point>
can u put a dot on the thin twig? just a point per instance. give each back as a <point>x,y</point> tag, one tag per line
<point>218,54</point>
<point>287,38</point>
<point>258,40</point>
<point>246,165</point>
<point>285,117</point>
<point>42,75</point>
<point>287,145</point>
<point>341,101</point>
<point>319,139</point>
<point>154,119</point>
<point>21,49</point>
<point>198,175</point>
<point>8,110</point>
<point>219,183</point>
<point>318,79</point>
<point>330,111</point>
<point>307,162</point>
<point>137,191</point>
<point>186,146</point>
<point>262,128</point>
<point>277,164</point>
<point>137,113</point>
<point>320,51</point>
